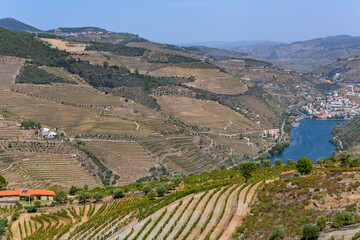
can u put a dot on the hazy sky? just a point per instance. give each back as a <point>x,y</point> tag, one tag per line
<point>187,21</point>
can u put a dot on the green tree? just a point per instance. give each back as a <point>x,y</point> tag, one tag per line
<point>3,224</point>
<point>146,189</point>
<point>246,169</point>
<point>86,187</point>
<point>290,162</point>
<point>60,196</point>
<point>73,190</point>
<point>310,231</point>
<point>161,190</point>
<point>278,162</point>
<point>83,197</point>
<point>97,196</point>
<point>164,178</point>
<point>151,195</point>
<point>235,167</point>
<point>118,193</point>
<point>266,162</point>
<point>304,165</point>
<point>344,158</point>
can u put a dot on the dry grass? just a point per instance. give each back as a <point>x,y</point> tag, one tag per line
<point>65,45</point>
<point>236,144</point>
<point>207,79</point>
<point>127,159</point>
<point>8,72</point>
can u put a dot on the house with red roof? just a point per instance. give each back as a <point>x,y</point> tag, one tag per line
<point>15,195</point>
<point>288,174</point>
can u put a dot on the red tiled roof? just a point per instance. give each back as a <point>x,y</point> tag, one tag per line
<point>288,172</point>
<point>26,192</point>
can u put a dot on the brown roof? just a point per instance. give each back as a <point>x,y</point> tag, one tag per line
<point>27,192</point>
<point>292,171</point>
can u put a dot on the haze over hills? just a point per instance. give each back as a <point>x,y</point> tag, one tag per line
<point>231,45</point>
<point>311,53</point>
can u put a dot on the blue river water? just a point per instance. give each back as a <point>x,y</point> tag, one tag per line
<point>310,139</point>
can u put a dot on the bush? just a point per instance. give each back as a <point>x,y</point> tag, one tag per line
<point>83,197</point>
<point>290,162</point>
<point>321,222</point>
<point>278,162</point>
<point>118,193</point>
<point>279,232</point>
<point>73,190</point>
<point>31,209</point>
<point>15,216</point>
<point>342,218</point>
<point>304,165</point>
<point>310,231</point>
<point>235,167</point>
<point>151,195</point>
<point>164,178</point>
<point>3,225</point>
<point>60,196</point>
<point>246,169</point>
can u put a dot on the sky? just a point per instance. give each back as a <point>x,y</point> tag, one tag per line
<point>194,21</point>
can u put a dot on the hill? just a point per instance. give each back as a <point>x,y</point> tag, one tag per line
<point>311,53</point>
<point>17,26</point>
<point>343,70</point>
<point>347,135</point>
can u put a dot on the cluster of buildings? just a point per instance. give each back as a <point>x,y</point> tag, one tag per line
<point>45,132</point>
<point>58,32</point>
<point>335,105</point>
<point>274,133</point>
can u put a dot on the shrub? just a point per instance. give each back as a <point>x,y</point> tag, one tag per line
<point>290,162</point>
<point>83,197</point>
<point>235,167</point>
<point>3,224</point>
<point>321,222</point>
<point>15,216</point>
<point>304,165</point>
<point>310,231</point>
<point>73,190</point>
<point>60,196</point>
<point>278,161</point>
<point>342,218</point>
<point>279,232</point>
<point>118,193</point>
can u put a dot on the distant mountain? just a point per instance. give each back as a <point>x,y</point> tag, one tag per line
<point>232,45</point>
<point>311,53</point>
<point>17,26</point>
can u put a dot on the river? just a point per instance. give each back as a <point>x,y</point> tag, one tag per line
<point>310,139</point>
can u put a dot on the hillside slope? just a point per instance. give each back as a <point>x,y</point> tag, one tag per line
<point>17,26</point>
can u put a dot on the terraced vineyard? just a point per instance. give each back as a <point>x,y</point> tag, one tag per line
<point>127,159</point>
<point>42,170</point>
<point>180,155</point>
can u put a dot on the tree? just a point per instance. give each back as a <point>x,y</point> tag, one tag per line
<point>222,167</point>
<point>60,196</point>
<point>97,196</point>
<point>118,193</point>
<point>161,190</point>
<point>235,167</point>
<point>83,197</point>
<point>290,162</point>
<point>164,178</point>
<point>310,231</point>
<point>86,187</point>
<point>279,232</point>
<point>3,182</point>
<point>151,195</point>
<point>278,161</point>
<point>146,189</point>
<point>304,165</point>
<point>266,162</point>
<point>73,190</point>
<point>246,169</point>
<point>344,158</point>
